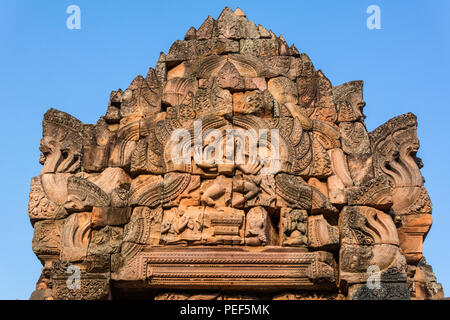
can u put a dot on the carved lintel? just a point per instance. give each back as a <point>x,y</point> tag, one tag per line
<point>234,268</point>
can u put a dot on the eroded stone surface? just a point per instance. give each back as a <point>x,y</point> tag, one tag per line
<point>319,205</point>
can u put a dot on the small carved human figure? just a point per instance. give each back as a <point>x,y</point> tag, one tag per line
<point>246,186</point>
<point>209,156</point>
<point>215,191</point>
<point>256,233</point>
<point>293,225</point>
<point>179,223</point>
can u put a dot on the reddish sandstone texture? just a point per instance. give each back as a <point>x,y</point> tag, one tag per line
<point>113,201</point>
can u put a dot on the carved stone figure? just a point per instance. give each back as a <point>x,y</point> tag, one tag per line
<point>182,225</point>
<point>233,163</point>
<point>258,229</point>
<point>293,227</point>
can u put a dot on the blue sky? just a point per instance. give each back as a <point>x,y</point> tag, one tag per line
<point>43,64</point>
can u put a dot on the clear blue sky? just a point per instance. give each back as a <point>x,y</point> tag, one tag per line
<point>405,66</point>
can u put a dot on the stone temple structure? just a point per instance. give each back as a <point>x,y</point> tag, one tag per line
<point>342,214</point>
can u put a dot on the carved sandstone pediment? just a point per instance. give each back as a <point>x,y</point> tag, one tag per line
<point>233,164</point>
